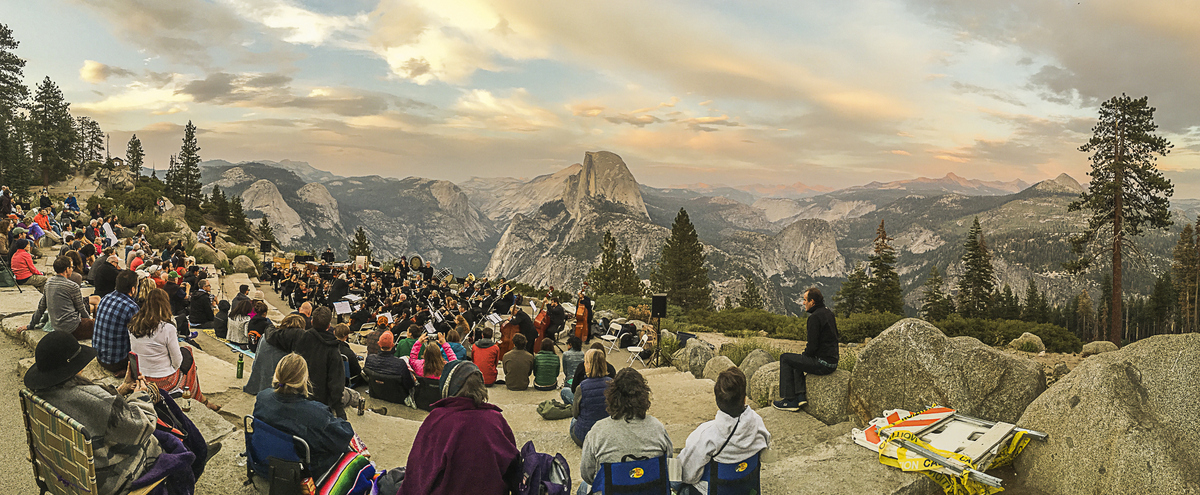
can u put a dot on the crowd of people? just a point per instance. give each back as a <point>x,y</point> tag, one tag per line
<point>144,301</point>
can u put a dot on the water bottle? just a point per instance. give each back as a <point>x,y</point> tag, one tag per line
<point>241,362</point>
<point>187,400</point>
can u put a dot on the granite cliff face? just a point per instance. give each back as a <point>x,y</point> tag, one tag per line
<point>263,197</point>
<point>604,178</point>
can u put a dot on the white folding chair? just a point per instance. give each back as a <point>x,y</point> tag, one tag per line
<point>611,336</point>
<point>635,351</point>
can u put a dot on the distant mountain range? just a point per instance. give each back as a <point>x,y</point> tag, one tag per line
<point>547,230</point>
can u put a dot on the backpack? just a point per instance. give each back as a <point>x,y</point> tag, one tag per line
<point>553,410</point>
<point>543,474</point>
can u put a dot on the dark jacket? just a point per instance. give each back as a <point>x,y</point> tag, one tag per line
<point>589,405</point>
<point>385,363</point>
<point>104,278</point>
<point>822,335</point>
<point>556,314</point>
<point>338,290</point>
<point>259,324</point>
<point>581,375</point>
<point>327,435</point>
<point>461,448</point>
<point>200,309</point>
<point>323,353</point>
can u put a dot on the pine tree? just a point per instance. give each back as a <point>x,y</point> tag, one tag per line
<point>1036,308</point>
<point>360,245</point>
<point>53,133</point>
<point>1085,316</point>
<point>883,288</point>
<point>188,173</point>
<point>1127,193</point>
<point>728,304</point>
<point>750,297</point>
<point>681,272</point>
<point>220,205</point>
<point>238,228</point>
<point>1184,264</point>
<point>16,168</point>
<point>135,157</point>
<point>91,141</point>
<point>1164,304</point>
<point>935,305</point>
<point>626,281</point>
<point>978,281</point>
<point>171,180</point>
<point>852,297</point>
<point>1007,306</point>
<point>265,232</point>
<point>602,278</point>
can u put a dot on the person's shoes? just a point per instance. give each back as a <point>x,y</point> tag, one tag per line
<point>362,405</point>
<point>792,405</point>
<point>213,448</point>
<point>382,411</point>
<point>408,401</point>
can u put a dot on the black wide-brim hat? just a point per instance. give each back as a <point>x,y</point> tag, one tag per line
<point>58,357</point>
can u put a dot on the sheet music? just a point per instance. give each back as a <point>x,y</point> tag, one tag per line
<point>534,306</point>
<point>494,318</point>
<point>429,327</point>
<point>386,315</point>
<point>341,307</point>
<point>353,298</point>
<point>437,315</point>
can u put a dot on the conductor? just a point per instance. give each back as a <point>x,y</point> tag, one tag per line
<point>525,326</point>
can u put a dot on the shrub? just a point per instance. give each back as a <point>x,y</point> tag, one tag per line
<point>860,326</point>
<point>667,348</point>
<point>639,312</point>
<point>737,350</point>
<point>235,251</point>
<point>1028,347</point>
<point>1001,332</point>
<point>619,304</point>
<point>754,320</point>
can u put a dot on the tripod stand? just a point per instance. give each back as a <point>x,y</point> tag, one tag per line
<point>6,269</point>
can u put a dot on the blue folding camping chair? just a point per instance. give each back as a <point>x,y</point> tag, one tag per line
<point>633,476</point>
<point>280,458</point>
<point>739,478</point>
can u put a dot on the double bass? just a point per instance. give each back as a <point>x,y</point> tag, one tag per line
<point>507,331</point>
<point>583,315</point>
<point>540,323</point>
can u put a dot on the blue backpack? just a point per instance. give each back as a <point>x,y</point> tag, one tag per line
<point>543,474</point>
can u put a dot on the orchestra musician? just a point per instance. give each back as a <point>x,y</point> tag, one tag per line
<point>522,320</point>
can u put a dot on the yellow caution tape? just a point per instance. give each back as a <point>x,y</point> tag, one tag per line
<point>952,485</point>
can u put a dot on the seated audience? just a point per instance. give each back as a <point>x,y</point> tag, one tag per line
<point>736,434</point>
<point>571,359</point>
<point>518,365</point>
<point>221,320</point>
<point>278,343</point>
<point>546,367</point>
<point>405,345</point>
<point>122,420</point>
<point>464,446</point>
<point>385,362</point>
<point>589,405</point>
<point>342,332</point>
<point>259,324</point>
<point>322,350</point>
<point>63,302</point>
<point>161,360</point>
<point>111,332</point>
<point>434,359</point>
<point>23,268</point>
<point>628,430</point>
<point>239,318</point>
<point>200,309</point>
<point>486,355</point>
<point>581,374</point>
<point>453,338</point>
<point>287,407</point>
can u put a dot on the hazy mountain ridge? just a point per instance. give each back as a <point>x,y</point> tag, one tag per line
<point>547,230</point>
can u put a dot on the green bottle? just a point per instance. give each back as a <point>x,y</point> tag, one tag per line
<point>240,364</point>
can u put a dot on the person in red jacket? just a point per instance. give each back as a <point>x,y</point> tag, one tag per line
<point>486,355</point>
<point>23,268</point>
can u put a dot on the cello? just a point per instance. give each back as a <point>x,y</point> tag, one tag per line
<point>583,315</point>
<point>541,322</point>
<point>507,331</point>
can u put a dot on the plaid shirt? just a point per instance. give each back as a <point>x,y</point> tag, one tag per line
<point>111,334</point>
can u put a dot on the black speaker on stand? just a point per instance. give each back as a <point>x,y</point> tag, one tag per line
<point>658,309</point>
<point>264,247</point>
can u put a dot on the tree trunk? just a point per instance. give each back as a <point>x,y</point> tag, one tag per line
<point>1114,333</point>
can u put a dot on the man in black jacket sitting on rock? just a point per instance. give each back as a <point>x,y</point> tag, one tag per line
<point>820,356</point>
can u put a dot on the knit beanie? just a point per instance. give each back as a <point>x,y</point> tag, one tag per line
<point>454,374</point>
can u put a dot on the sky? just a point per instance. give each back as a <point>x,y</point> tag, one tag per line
<point>769,92</point>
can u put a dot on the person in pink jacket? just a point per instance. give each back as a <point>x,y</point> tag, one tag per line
<point>435,352</point>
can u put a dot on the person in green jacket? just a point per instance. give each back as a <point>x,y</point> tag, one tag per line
<point>546,367</point>
<point>405,345</point>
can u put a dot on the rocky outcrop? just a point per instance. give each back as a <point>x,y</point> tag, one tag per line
<point>502,198</point>
<point>604,177</point>
<point>327,217</point>
<point>1027,342</point>
<point>263,197</point>
<point>716,366</point>
<point>698,354</point>
<point>243,264</point>
<point>204,254</point>
<point>120,179</point>
<point>1097,347</point>
<point>1120,422</point>
<point>230,178</point>
<point>912,365</point>
<point>828,396</point>
<point>764,387</point>
<point>753,362</point>
<point>807,246</point>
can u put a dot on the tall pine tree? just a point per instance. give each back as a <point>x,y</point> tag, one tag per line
<point>360,245</point>
<point>238,226</point>
<point>978,282</point>
<point>90,146</point>
<point>750,297</point>
<point>53,133</point>
<point>852,297</point>
<point>135,156</point>
<point>626,281</point>
<point>220,205</point>
<point>188,172</point>
<point>883,288</point>
<point>935,305</point>
<point>1007,306</point>
<point>1036,309</point>
<point>1185,264</point>
<point>16,168</point>
<point>265,232</point>
<point>1126,194</point>
<point>602,277</point>
<point>681,272</point>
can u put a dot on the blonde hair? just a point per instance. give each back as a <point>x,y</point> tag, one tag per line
<point>341,331</point>
<point>595,364</point>
<point>145,287</point>
<point>291,375</point>
<point>293,321</point>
